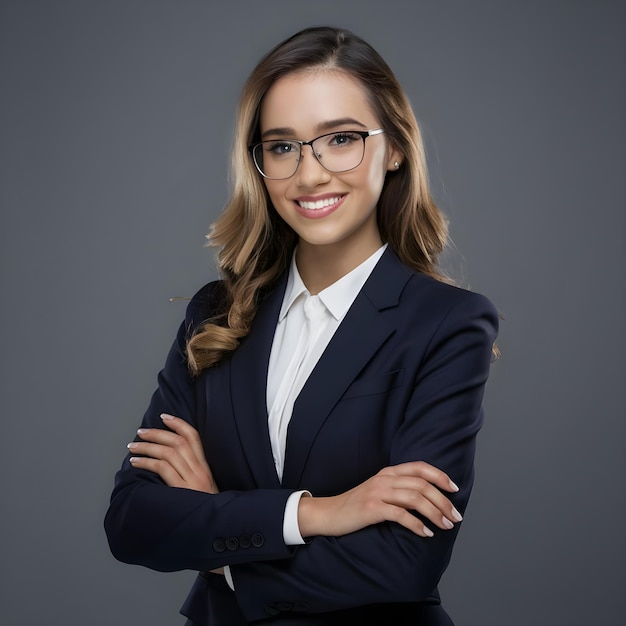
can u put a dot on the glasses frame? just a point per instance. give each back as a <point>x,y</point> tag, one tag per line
<point>364,134</point>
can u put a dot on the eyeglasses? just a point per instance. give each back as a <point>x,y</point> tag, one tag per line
<point>340,151</point>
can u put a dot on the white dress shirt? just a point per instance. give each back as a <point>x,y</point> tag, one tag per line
<point>306,324</point>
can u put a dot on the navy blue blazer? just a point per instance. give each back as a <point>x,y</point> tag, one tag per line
<point>401,380</point>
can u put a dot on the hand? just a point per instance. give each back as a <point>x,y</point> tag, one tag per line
<point>176,455</point>
<point>389,495</point>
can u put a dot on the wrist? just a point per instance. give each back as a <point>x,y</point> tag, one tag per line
<point>314,516</point>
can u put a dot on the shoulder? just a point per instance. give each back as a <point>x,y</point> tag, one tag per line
<point>208,302</point>
<point>393,283</point>
<point>432,305</point>
<point>449,310</point>
<point>444,296</point>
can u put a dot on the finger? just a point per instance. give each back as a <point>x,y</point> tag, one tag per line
<point>160,436</point>
<point>403,489</point>
<point>188,432</point>
<point>167,473</point>
<point>176,442</point>
<point>427,471</point>
<point>449,513</point>
<point>175,429</point>
<point>418,502</point>
<point>434,496</point>
<point>165,453</point>
<point>404,518</point>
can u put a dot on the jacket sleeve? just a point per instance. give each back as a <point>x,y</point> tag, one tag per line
<point>386,562</point>
<point>168,528</point>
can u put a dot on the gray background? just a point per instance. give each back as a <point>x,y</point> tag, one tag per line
<point>116,119</point>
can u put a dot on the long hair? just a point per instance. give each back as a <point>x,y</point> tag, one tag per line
<point>255,244</point>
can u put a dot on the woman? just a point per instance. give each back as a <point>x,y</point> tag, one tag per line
<point>319,400</point>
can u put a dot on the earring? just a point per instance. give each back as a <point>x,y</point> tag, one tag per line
<point>396,165</point>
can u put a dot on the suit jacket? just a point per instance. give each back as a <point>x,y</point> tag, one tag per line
<point>402,379</point>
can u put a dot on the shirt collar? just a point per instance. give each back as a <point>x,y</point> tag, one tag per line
<point>295,287</point>
<point>339,296</point>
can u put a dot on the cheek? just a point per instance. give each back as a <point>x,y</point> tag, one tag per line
<point>277,197</point>
<point>374,173</point>
<point>274,190</point>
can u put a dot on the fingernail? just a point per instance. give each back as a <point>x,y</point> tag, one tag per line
<point>456,516</point>
<point>428,532</point>
<point>132,445</point>
<point>142,431</point>
<point>454,486</point>
<point>165,416</point>
<point>133,459</point>
<point>447,523</point>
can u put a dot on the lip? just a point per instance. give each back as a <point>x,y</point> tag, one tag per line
<point>321,212</point>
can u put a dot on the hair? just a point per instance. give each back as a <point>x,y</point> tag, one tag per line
<point>256,244</point>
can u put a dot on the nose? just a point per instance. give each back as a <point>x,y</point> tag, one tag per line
<point>310,172</point>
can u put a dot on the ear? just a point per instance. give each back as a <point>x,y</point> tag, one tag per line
<point>394,159</point>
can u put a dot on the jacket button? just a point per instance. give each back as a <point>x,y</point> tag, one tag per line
<point>219,545</point>
<point>244,541</point>
<point>232,543</point>
<point>257,540</point>
<point>271,608</point>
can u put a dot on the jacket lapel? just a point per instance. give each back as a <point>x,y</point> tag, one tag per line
<point>363,330</point>
<point>248,389</point>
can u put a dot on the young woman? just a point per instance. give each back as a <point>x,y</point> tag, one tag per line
<point>309,449</point>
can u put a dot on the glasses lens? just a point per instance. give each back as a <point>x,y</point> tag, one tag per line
<point>339,152</point>
<point>277,159</point>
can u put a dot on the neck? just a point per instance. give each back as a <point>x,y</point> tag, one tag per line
<point>321,266</point>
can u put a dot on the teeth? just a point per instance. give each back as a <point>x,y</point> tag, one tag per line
<point>320,204</point>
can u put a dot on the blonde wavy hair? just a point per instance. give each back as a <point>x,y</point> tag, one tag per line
<point>255,244</point>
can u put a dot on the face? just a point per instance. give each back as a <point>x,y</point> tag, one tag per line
<point>336,211</point>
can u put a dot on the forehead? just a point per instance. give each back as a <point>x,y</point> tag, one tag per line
<point>304,100</point>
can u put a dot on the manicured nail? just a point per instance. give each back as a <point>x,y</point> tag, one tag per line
<point>447,523</point>
<point>165,417</point>
<point>142,431</point>
<point>428,532</point>
<point>133,459</point>
<point>456,516</point>
<point>454,486</point>
<point>132,445</point>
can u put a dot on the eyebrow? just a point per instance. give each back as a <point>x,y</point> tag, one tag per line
<point>287,131</point>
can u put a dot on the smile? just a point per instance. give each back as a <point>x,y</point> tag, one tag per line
<point>319,204</point>
<point>316,209</point>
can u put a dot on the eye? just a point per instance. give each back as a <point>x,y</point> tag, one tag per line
<point>343,139</point>
<point>280,148</point>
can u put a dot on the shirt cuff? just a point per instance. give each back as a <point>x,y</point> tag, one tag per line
<point>291,530</point>
<point>229,577</point>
